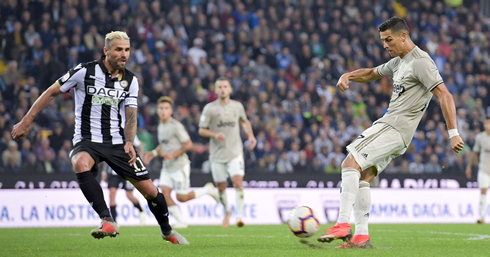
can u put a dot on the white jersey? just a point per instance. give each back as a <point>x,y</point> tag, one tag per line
<point>482,146</point>
<point>414,77</point>
<point>171,136</point>
<point>100,101</point>
<point>224,118</point>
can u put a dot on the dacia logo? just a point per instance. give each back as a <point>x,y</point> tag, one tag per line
<point>226,124</point>
<point>106,92</point>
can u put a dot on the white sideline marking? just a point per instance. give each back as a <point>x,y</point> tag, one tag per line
<point>471,236</point>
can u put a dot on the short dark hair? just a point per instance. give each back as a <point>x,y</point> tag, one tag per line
<point>222,79</point>
<point>396,25</point>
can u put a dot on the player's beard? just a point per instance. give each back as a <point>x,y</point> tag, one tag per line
<point>115,64</point>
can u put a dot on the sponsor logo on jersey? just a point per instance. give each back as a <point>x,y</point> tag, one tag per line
<point>226,124</point>
<point>164,141</point>
<point>108,96</point>
<point>365,155</point>
<point>398,89</point>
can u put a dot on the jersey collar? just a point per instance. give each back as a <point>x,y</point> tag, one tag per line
<point>106,71</point>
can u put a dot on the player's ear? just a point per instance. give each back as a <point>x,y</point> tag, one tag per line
<point>404,36</point>
<point>105,51</point>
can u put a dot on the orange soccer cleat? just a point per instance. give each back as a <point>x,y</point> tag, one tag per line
<point>339,231</point>
<point>175,238</point>
<point>358,241</point>
<point>106,228</point>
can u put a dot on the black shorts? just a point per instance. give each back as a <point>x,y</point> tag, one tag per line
<point>116,181</point>
<point>115,157</point>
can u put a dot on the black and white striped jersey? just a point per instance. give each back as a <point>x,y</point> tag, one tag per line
<point>100,101</point>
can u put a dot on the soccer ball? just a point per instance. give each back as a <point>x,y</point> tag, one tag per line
<point>303,221</point>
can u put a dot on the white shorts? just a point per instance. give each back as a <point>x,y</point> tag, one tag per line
<point>178,180</point>
<point>377,146</point>
<point>483,179</point>
<point>221,171</point>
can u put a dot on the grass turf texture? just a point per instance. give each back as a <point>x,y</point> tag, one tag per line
<point>388,240</point>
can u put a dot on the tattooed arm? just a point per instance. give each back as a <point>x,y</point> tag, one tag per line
<point>130,132</point>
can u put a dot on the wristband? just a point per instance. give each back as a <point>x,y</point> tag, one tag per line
<point>154,153</point>
<point>453,132</point>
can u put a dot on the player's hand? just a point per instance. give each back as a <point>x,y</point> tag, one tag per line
<point>457,143</point>
<point>168,156</point>
<point>343,83</point>
<point>220,136</point>
<point>252,142</point>
<point>468,172</point>
<point>129,149</point>
<point>20,130</point>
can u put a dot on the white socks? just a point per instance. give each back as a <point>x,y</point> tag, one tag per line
<point>349,187</point>
<point>224,200</point>
<point>175,211</point>
<point>362,207</point>
<point>200,192</point>
<point>483,203</point>
<point>239,202</point>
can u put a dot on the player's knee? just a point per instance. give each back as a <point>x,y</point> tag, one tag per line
<point>82,162</point>
<point>221,187</point>
<point>350,162</point>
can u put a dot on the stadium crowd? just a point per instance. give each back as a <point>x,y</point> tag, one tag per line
<point>283,58</point>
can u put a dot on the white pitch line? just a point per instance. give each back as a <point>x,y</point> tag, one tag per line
<point>471,236</point>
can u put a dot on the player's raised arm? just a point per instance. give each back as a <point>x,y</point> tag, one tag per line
<point>449,112</point>
<point>360,75</point>
<point>20,129</point>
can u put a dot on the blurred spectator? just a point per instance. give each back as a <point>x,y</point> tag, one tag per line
<point>284,60</point>
<point>11,157</point>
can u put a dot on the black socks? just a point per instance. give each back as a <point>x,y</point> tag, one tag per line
<point>159,208</point>
<point>93,193</point>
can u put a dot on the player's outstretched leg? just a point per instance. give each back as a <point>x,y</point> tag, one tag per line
<point>159,208</point>
<point>362,206</point>
<point>350,188</point>
<point>93,193</point>
<point>211,191</point>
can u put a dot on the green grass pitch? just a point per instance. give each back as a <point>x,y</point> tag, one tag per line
<point>388,239</point>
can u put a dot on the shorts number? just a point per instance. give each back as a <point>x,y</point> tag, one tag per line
<point>142,166</point>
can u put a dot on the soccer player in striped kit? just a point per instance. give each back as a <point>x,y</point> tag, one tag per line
<point>106,105</point>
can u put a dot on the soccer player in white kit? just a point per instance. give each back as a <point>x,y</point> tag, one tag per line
<point>174,142</point>
<point>482,148</point>
<point>219,121</point>
<point>415,80</point>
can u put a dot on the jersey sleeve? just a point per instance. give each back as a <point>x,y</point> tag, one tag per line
<point>205,119</point>
<point>182,134</point>
<point>241,115</point>
<point>132,97</point>
<point>477,146</point>
<point>425,70</point>
<point>74,77</point>
<point>386,69</point>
